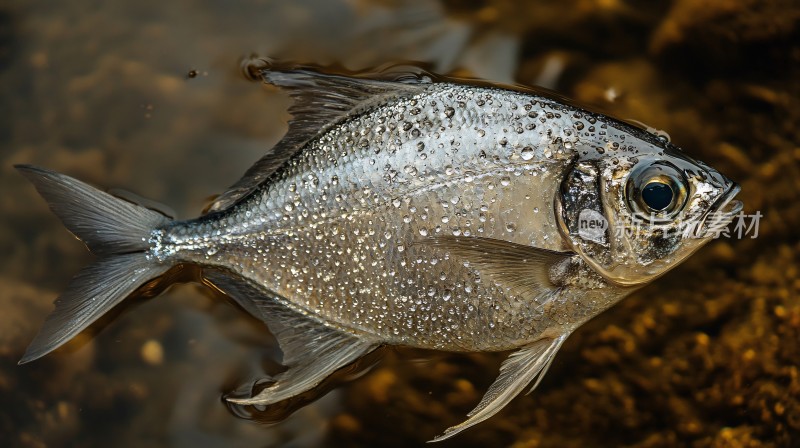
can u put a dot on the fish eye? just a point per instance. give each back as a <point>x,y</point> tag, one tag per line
<point>657,191</point>
<point>657,195</point>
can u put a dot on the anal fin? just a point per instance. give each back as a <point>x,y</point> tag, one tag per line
<point>520,369</point>
<point>312,351</point>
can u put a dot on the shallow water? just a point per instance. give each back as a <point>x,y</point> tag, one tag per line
<point>707,355</point>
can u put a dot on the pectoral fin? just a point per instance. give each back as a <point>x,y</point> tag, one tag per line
<point>519,370</point>
<point>311,350</point>
<point>524,270</point>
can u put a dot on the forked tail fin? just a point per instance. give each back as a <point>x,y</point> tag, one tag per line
<point>117,231</point>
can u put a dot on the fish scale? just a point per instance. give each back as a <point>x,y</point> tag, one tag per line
<point>415,211</point>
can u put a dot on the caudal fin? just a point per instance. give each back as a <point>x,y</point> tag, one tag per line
<point>115,230</point>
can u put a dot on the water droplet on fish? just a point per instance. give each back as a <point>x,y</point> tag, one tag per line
<point>289,207</point>
<point>449,112</point>
<point>406,219</point>
<point>445,219</point>
<point>410,170</point>
<point>527,153</point>
<point>397,203</point>
<point>446,295</point>
<point>423,231</point>
<point>505,181</point>
<point>420,146</point>
<point>511,227</point>
<point>449,170</point>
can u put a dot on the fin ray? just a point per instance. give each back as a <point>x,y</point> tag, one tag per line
<point>106,224</point>
<point>524,270</point>
<point>93,292</point>
<point>311,350</point>
<point>320,100</point>
<point>516,373</point>
<point>118,231</point>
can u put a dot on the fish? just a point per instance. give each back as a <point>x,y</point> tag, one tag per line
<point>409,209</point>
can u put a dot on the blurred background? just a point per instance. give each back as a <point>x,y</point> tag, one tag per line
<point>147,96</point>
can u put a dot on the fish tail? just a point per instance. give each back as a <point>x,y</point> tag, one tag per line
<point>117,231</point>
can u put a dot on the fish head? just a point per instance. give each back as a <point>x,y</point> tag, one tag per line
<point>634,214</point>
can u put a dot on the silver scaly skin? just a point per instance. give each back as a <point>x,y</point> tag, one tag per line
<point>338,230</point>
<point>427,214</point>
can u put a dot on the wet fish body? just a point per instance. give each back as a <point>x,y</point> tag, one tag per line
<point>341,231</point>
<point>417,213</point>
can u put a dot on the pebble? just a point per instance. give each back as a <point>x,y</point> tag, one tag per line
<point>152,352</point>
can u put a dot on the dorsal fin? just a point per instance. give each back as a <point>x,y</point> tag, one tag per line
<point>320,100</point>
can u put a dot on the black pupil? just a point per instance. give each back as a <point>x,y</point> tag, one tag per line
<point>657,195</point>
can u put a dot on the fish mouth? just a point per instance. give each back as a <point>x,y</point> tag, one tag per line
<point>723,210</point>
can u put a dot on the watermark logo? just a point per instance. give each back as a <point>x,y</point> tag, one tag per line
<point>592,226</point>
<point>718,225</point>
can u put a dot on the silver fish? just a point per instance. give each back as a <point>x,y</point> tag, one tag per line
<point>411,211</point>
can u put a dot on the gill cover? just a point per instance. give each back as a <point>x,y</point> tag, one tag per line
<point>583,220</point>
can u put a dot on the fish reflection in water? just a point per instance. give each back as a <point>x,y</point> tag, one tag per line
<point>410,210</point>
